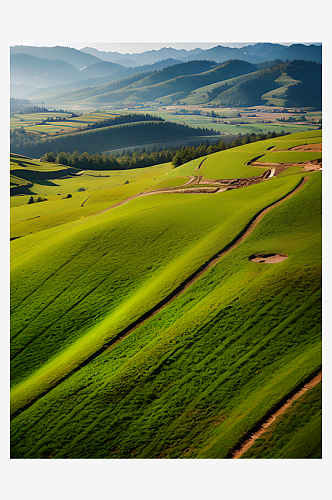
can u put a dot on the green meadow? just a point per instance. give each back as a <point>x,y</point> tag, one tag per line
<point>192,379</point>
<point>295,434</point>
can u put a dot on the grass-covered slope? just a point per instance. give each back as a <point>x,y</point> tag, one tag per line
<point>192,379</point>
<point>296,83</point>
<point>233,163</point>
<point>24,171</point>
<point>100,279</point>
<point>296,434</point>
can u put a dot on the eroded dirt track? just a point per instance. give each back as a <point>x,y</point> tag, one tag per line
<point>220,185</point>
<point>305,147</point>
<point>250,441</point>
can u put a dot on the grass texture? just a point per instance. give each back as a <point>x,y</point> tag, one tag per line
<point>192,379</point>
<point>295,434</point>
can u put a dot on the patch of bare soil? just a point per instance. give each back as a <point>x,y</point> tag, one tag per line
<point>277,167</point>
<point>267,164</point>
<point>310,166</point>
<point>268,258</point>
<point>243,182</point>
<point>308,147</point>
<point>197,190</point>
<point>304,147</point>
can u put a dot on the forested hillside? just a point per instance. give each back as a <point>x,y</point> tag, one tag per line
<point>234,83</point>
<point>106,138</point>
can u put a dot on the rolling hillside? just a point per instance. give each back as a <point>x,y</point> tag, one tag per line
<point>234,83</point>
<point>140,326</point>
<point>172,78</point>
<point>297,83</point>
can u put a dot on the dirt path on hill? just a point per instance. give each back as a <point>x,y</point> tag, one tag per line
<point>305,147</point>
<point>250,441</point>
<point>307,166</point>
<point>277,168</point>
<point>147,193</point>
<point>200,187</point>
<point>246,231</point>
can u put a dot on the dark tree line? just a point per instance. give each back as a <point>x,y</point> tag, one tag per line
<point>139,159</point>
<point>96,161</point>
<point>120,119</point>
<point>191,153</point>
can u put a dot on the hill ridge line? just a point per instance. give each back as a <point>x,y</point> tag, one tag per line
<point>246,231</point>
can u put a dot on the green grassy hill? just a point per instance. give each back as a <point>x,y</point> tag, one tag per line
<point>190,380</point>
<point>233,83</point>
<point>296,83</point>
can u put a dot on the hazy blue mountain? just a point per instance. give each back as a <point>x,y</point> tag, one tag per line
<point>158,65</point>
<point>253,53</point>
<point>94,82</point>
<point>222,54</point>
<point>38,72</point>
<point>102,54</point>
<point>147,57</point>
<point>100,69</point>
<point>297,51</point>
<point>20,91</point>
<point>260,49</point>
<point>128,63</point>
<point>72,56</point>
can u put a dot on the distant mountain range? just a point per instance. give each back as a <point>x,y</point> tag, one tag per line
<point>255,74</point>
<point>76,58</point>
<point>257,53</point>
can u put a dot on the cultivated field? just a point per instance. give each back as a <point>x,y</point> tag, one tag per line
<point>232,121</point>
<point>227,121</point>
<point>55,122</point>
<point>140,328</point>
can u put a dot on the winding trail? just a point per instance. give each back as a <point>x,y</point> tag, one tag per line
<point>246,231</point>
<point>145,193</point>
<point>242,447</point>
